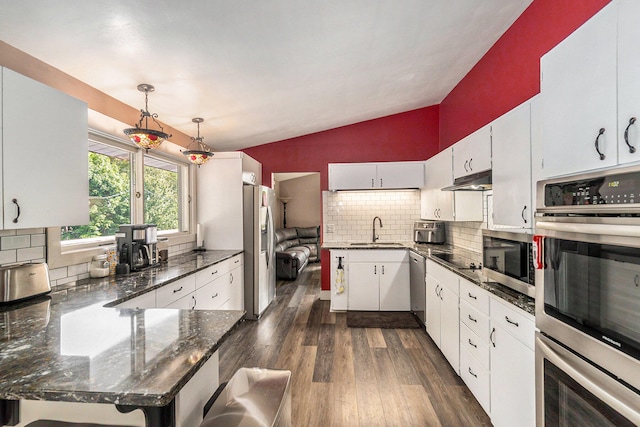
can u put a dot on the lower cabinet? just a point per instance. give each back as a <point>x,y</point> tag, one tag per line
<point>443,315</point>
<point>378,280</point>
<point>339,280</point>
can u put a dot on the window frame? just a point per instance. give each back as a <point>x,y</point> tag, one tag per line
<point>63,253</point>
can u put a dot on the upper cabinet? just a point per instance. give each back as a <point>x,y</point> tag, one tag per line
<point>45,178</point>
<point>590,94</point>
<point>472,154</point>
<point>512,186</point>
<point>375,176</point>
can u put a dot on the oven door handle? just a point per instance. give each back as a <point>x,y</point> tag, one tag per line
<point>581,228</point>
<point>589,377</point>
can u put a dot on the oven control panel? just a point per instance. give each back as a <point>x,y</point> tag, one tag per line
<point>614,189</point>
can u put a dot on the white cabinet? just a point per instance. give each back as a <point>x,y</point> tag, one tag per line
<point>578,89</point>
<point>146,300</point>
<point>236,285</point>
<point>172,292</point>
<point>628,83</point>
<point>443,315</point>
<point>472,154</point>
<point>45,179</point>
<point>512,186</point>
<point>447,205</point>
<point>339,280</point>
<point>512,366</point>
<point>378,280</point>
<point>368,176</point>
<point>221,180</point>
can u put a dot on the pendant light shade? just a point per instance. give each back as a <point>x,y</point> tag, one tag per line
<point>202,153</point>
<point>144,137</point>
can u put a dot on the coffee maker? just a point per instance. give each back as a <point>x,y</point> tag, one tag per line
<point>137,245</point>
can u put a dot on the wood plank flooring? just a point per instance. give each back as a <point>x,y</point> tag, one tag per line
<point>349,376</point>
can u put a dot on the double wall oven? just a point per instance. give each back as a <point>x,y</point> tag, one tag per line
<point>587,248</point>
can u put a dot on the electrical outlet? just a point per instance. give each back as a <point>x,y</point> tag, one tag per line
<point>330,228</point>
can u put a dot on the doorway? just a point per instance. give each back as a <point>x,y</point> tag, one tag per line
<point>299,199</point>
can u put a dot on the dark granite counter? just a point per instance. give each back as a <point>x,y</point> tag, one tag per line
<point>460,255</point>
<point>72,346</point>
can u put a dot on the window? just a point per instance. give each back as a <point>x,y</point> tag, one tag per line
<point>162,188</point>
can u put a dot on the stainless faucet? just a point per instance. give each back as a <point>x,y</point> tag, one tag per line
<point>374,228</point>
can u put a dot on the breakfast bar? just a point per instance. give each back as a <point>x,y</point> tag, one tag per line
<point>77,346</point>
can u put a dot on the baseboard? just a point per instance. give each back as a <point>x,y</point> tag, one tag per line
<point>325,295</point>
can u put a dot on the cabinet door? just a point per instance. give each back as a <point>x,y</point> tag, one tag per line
<point>45,173</point>
<point>352,176</point>
<point>364,289</point>
<point>439,170</point>
<point>433,308</point>
<point>428,204</point>
<point>472,154</point>
<point>446,205</point>
<point>400,175</point>
<point>578,89</point>
<point>450,328</point>
<point>146,300</point>
<point>214,294</point>
<point>628,82</point>
<point>511,144</point>
<point>339,285</point>
<point>512,381</point>
<point>236,289</point>
<point>394,286</point>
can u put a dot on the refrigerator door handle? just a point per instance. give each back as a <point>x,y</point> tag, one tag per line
<point>270,234</point>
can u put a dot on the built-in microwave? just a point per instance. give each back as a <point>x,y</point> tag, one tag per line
<point>508,259</point>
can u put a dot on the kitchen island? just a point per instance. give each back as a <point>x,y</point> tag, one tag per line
<point>75,346</point>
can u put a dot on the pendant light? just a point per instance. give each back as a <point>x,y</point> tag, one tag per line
<point>201,154</point>
<point>144,137</point>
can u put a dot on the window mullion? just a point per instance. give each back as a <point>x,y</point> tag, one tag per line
<point>137,193</point>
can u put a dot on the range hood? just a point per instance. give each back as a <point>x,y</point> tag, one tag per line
<point>480,181</point>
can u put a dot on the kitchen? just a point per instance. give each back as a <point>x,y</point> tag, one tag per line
<point>450,131</point>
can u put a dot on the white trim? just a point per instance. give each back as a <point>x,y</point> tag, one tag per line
<point>325,295</point>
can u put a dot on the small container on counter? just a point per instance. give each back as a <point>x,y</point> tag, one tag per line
<point>112,257</point>
<point>99,266</point>
<point>163,249</point>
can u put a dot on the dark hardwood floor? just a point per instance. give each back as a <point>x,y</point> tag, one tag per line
<point>349,376</point>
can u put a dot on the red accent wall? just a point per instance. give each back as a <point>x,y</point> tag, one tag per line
<point>509,73</point>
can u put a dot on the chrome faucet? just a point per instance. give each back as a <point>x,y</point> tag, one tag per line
<point>374,228</point>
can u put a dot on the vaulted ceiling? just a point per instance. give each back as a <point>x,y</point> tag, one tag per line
<point>262,71</point>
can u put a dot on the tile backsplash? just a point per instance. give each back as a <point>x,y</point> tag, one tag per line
<point>347,216</point>
<point>30,245</point>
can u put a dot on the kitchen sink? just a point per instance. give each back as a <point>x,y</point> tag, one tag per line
<point>377,244</point>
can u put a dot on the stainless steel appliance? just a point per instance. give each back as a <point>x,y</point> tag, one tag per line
<point>429,232</point>
<point>137,245</point>
<point>259,242</point>
<point>508,259</point>
<point>417,274</point>
<point>22,281</point>
<point>588,299</point>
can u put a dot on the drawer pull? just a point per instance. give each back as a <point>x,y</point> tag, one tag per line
<point>236,261</point>
<point>493,332</point>
<point>472,296</point>
<point>231,278</point>
<point>193,298</point>
<point>213,296</point>
<point>471,372</point>
<point>214,272</point>
<point>177,290</point>
<point>472,344</point>
<point>472,319</point>
<point>511,321</point>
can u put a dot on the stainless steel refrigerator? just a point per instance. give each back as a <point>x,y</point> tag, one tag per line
<point>259,253</point>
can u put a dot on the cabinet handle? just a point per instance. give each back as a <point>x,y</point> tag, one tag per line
<point>236,261</point>
<point>602,156</point>
<point>380,182</point>
<point>466,162</point>
<point>434,212</point>
<point>383,269</point>
<point>375,269</point>
<point>231,278</point>
<point>214,272</point>
<point>493,332</point>
<point>213,296</point>
<point>15,201</point>
<point>522,214</point>
<point>511,321</point>
<point>177,290</point>
<point>372,183</point>
<point>632,149</point>
<point>438,212</point>
<point>472,344</point>
<point>470,165</point>
<point>193,298</point>
<point>436,290</point>
<point>472,319</point>
<point>636,281</point>
<point>471,372</point>
<point>440,293</point>
<point>472,296</point>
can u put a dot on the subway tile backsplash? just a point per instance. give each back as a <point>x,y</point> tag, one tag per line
<point>350,215</point>
<point>30,245</point>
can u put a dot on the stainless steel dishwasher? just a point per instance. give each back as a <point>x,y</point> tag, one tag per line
<point>418,286</point>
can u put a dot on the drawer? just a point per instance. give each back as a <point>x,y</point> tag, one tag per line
<point>173,291</point>
<point>478,348</point>
<point>476,377</point>
<point>187,302</point>
<point>146,300</point>
<point>515,321</point>
<point>213,295</point>
<point>476,321</point>
<point>236,261</point>
<point>212,272</point>
<point>475,296</point>
<point>446,277</point>
<point>379,255</point>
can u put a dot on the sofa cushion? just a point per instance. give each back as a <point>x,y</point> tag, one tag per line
<point>283,234</point>
<point>308,232</point>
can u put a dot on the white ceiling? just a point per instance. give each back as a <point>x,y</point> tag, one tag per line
<point>262,71</point>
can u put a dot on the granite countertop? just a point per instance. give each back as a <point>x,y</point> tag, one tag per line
<point>73,346</point>
<point>431,251</point>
